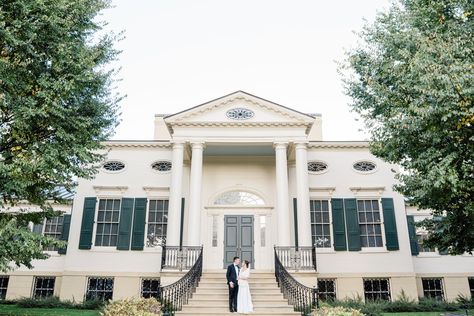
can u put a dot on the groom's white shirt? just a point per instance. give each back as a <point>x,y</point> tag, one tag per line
<point>236,270</point>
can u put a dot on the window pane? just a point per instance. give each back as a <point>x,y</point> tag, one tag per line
<point>157,218</point>
<point>376,289</point>
<point>326,289</point>
<point>107,222</point>
<point>369,223</point>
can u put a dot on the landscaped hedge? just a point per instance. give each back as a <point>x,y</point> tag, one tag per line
<point>54,302</point>
<point>403,304</point>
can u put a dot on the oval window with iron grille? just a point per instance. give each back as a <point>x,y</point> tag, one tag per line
<point>162,166</point>
<point>364,166</point>
<point>113,165</point>
<point>317,166</point>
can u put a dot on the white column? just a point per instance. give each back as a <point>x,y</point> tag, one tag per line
<point>194,220</point>
<point>302,195</point>
<point>176,187</point>
<point>282,205</point>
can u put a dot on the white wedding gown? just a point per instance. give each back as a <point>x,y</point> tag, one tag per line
<point>244,299</point>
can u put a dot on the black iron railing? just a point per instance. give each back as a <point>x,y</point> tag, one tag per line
<point>179,258</point>
<point>174,296</point>
<point>303,298</point>
<point>297,258</point>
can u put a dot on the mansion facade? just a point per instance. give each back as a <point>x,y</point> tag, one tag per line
<point>240,175</point>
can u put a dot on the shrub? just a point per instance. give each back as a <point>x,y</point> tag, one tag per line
<point>47,302</point>
<point>465,302</point>
<point>402,304</point>
<point>55,302</point>
<point>432,305</point>
<point>132,307</point>
<point>91,304</point>
<point>336,311</point>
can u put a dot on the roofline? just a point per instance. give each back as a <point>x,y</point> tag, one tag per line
<point>241,91</point>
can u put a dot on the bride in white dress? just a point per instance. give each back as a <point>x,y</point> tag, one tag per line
<point>244,299</point>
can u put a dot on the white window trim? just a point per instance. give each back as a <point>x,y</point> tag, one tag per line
<point>156,197</point>
<point>51,253</point>
<point>94,230</point>
<point>325,249</point>
<point>382,249</point>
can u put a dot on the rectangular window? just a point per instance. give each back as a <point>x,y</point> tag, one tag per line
<point>471,286</point>
<point>377,289</point>
<point>420,240</point>
<point>150,288</point>
<point>157,222</point>
<point>3,287</point>
<point>214,230</point>
<point>369,223</point>
<point>327,289</point>
<point>44,287</point>
<point>263,228</point>
<point>53,228</point>
<point>433,288</point>
<point>108,218</point>
<point>100,289</point>
<point>320,224</point>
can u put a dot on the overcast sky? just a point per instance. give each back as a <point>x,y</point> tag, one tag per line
<point>180,53</point>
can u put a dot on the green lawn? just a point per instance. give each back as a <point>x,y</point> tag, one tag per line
<point>460,312</point>
<point>15,310</point>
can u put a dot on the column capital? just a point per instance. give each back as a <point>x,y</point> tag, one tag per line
<point>197,144</point>
<point>280,145</point>
<point>301,144</point>
<point>177,144</point>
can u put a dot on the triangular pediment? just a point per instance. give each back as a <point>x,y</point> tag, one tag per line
<point>239,107</point>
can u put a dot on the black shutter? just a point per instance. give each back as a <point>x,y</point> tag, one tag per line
<point>65,233</point>
<point>125,224</point>
<point>412,235</point>
<point>352,224</point>
<point>338,224</point>
<point>87,225</point>
<point>390,224</point>
<point>139,216</point>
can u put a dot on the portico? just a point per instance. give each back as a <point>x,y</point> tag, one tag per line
<point>273,140</point>
<point>273,216</point>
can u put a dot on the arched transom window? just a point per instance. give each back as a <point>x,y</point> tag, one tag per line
<point>238,198</point>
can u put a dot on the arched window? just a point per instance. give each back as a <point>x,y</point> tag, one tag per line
<point>238,198</point>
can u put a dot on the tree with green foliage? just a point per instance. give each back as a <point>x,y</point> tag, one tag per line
<point>411,79</point>
<point>56,106</point>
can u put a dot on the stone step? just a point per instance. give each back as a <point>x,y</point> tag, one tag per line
<point>201,313</point>
<point>225,303</point>
<point>225,296</point>
<point>224,309</point>
<point>252,280</point>
<point>254,274</point>
<point>223,290</point>
<point>224,286</point>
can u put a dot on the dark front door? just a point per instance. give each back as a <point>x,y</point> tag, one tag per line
<point>238,238</point>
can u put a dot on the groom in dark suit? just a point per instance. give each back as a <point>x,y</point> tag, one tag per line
<point>232,281</point>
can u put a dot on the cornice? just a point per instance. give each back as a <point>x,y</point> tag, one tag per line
<point>216,105</point>
<point>244,124</point>
<point>137,144</point>
<point>348,144</point>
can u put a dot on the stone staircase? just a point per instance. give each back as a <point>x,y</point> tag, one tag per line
<point>212,298</point>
